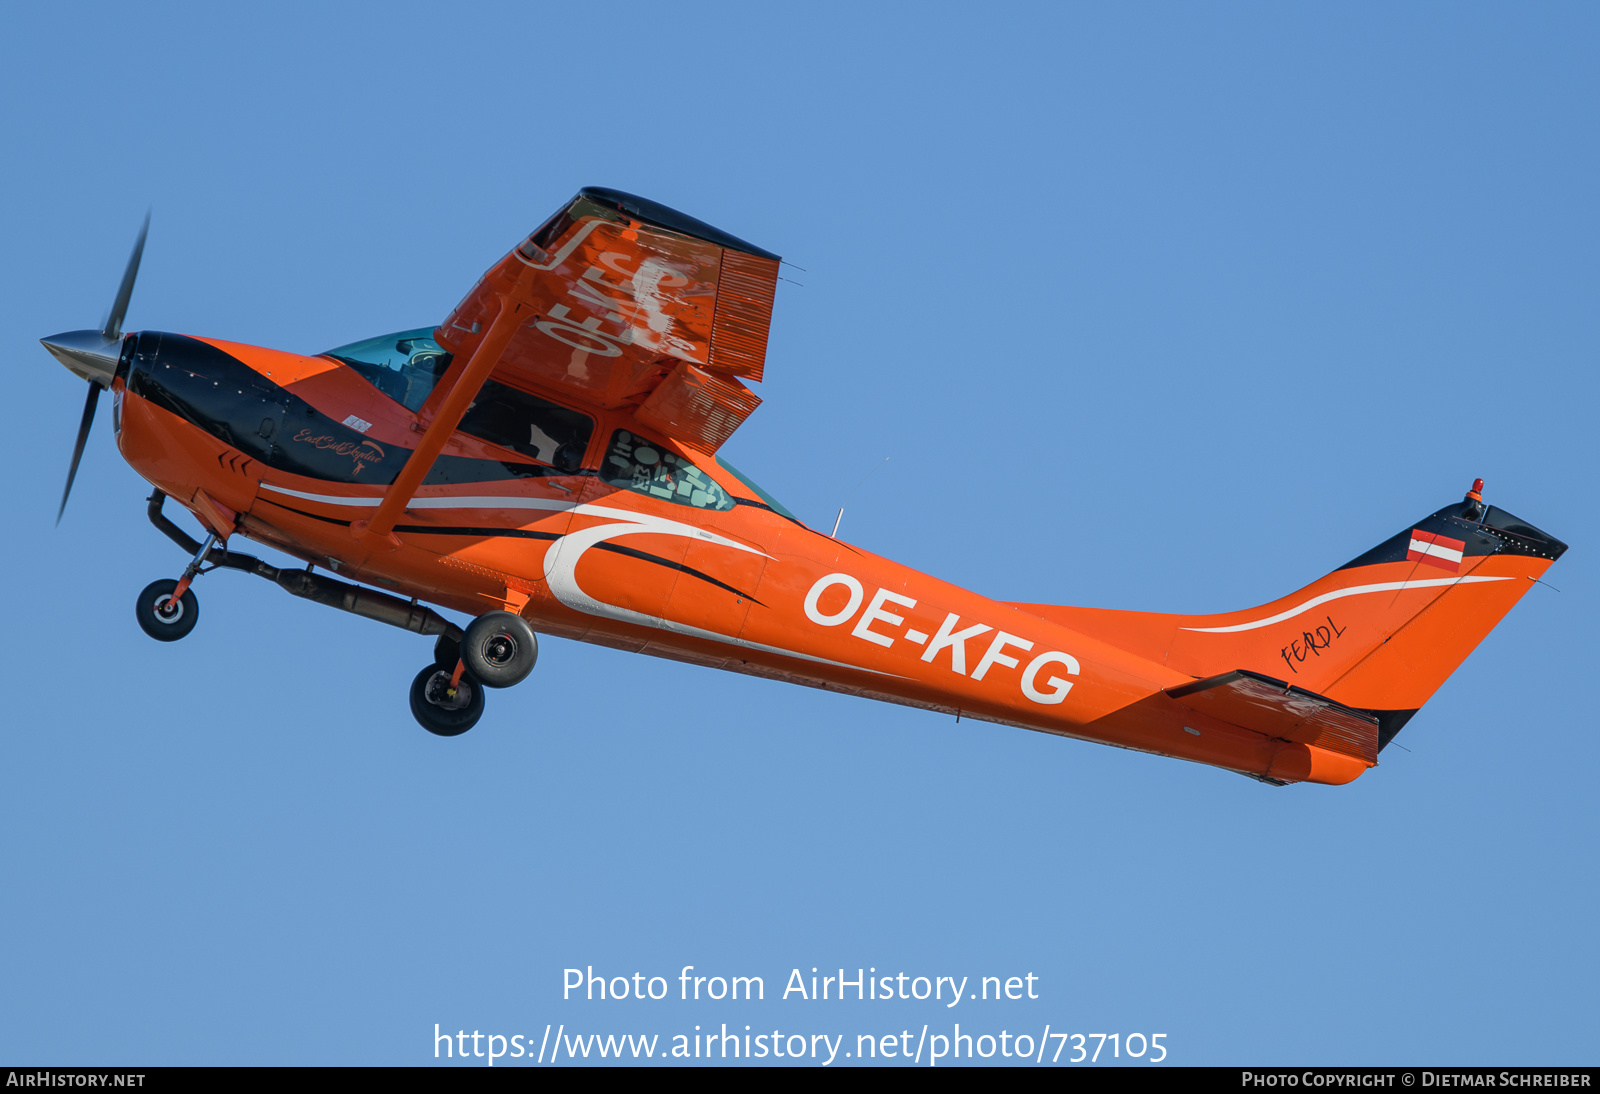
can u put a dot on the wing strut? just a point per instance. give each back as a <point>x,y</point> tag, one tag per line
<point>451,411</point>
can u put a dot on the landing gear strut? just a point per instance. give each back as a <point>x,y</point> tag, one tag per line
<point>497,649</point>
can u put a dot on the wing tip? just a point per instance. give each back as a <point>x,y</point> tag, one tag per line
<point>664,216</point>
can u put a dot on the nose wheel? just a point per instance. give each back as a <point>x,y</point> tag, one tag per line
<point>164,616</point>
<point>168,610</point>
<point>446,701</point>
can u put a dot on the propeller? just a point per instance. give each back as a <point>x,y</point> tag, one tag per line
<point>77,449</point>
<point>92,355</point>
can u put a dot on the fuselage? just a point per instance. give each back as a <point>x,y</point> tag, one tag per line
<point>608,533</point>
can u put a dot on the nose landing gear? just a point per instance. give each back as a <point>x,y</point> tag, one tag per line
<point>497,650</point>
<point>166,617</point>
<point>168,610</point>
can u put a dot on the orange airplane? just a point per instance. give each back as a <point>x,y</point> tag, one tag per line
<point>544,460</point>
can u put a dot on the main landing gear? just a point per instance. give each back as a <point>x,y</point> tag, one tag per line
<point>446,702</point>
<point>498,649</point>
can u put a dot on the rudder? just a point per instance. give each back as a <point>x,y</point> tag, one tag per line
<point>1379,634</point>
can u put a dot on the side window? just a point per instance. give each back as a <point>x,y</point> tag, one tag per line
<point>529,425</point>
<point>636,464</point>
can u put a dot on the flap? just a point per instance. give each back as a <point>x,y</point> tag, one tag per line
<point>1278,709</point>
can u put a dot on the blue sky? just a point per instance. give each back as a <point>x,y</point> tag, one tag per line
<point>1152,306</point>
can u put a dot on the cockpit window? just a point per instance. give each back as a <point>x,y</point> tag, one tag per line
<point>636,464</point>
<point>404,365</point>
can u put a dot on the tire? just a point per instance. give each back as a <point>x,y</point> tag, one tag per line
<point>439,714</point>
<point>499,649</point>
<point>171,625</point>
<point>446,651</point>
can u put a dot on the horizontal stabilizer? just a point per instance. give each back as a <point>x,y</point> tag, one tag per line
<point>1278,709</point>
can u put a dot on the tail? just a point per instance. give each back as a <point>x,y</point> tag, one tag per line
<point>1379,634</point>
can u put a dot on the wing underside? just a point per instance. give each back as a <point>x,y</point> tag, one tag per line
<point>625,304</point>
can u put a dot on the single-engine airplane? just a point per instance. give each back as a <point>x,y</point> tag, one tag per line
<point>545,460</point>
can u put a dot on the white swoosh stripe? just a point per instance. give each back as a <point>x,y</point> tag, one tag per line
<point>565,585</point>
<point>490,501</point>
<point>326,499</point>
<point>1380,587</point>
<point>560,574</point>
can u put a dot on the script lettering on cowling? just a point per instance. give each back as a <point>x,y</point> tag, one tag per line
<point>363,452</point>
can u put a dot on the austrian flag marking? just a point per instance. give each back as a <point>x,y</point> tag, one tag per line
<point>1435,550</point>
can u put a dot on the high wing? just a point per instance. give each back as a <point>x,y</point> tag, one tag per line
<point>620,302</point>
<point>617,302</point>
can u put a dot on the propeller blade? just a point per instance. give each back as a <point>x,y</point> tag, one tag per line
<point>119,306</point>
<point>83,427</point>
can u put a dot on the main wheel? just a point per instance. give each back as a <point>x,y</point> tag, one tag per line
<point>163,618</point>
<point>440,712</point>
<point>499,649</point>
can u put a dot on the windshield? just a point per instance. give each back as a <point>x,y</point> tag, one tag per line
<point>774,503</point>
<point>404,365</point>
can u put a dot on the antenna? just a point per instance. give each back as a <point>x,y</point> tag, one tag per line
<point>835,533</point>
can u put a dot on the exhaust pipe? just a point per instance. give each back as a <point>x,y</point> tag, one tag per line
<point>367,603</point>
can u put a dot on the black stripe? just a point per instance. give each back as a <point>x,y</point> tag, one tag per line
<point>737,500</point>
<point>303,513</point>
<point>618,549</point>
